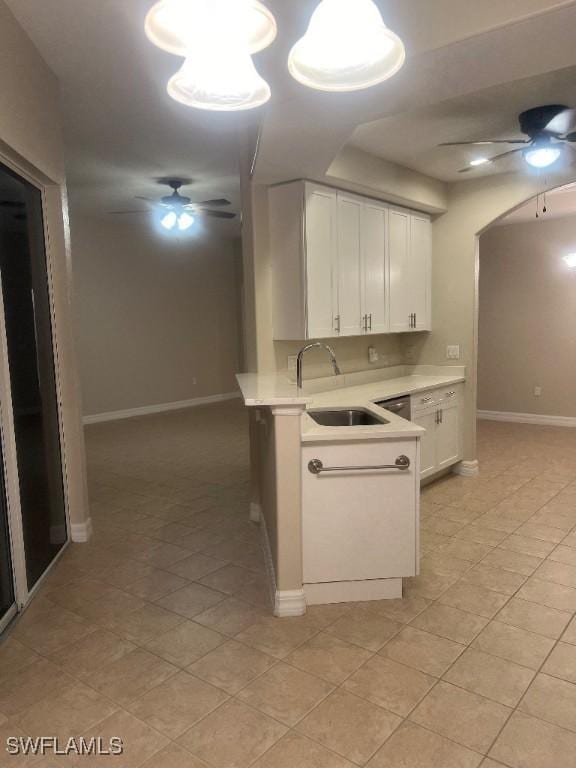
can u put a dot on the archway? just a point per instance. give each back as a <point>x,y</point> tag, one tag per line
<point>474,206</point>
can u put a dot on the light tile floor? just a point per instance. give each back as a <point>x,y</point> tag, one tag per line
<point>159,631</point>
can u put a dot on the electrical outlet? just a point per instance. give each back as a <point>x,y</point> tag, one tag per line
<point>373,356</point>
<point>453,352</point>
<point>537,391</point>
<point>292,360</point>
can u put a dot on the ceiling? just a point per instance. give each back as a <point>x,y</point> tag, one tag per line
<point>471,67</point>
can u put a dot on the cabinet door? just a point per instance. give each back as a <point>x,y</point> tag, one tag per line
<point>418,277</point>
<point>428,461</point>
<point>400,303</point>
<point>321,265</point>
<point>350,266</point>
<point>359,524</point>
<point>448,444</point>
<point>374,224</point>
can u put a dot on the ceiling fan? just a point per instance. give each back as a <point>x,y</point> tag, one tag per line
<point>177,212</point>
<point>547,129</point>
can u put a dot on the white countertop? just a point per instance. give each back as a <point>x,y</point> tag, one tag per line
<point>277,390</point>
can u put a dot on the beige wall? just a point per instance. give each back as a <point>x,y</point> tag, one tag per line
<point>158,320</point>
<point>527,318</point>
<point>31,142</point>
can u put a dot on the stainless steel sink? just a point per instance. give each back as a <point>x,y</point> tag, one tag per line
<point>355,417</point>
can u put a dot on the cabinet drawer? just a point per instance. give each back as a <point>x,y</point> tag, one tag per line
<point>360,524</point>
<point>425,401</point>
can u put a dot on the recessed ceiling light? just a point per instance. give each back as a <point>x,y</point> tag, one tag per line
<point>542,156</point>
<point>571,260</point>
<point>480,161</point>
<point>172,24</point>
<point>347,48</point>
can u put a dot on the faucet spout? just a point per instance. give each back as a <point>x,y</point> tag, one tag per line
<point>300,361</point>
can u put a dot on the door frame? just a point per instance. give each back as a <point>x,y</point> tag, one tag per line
<point>23,594</point>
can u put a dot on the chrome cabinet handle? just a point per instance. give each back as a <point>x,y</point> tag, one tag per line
<point>337,323</point>
<point>415,320</point>
<point>370,316</point>
<point>365,319</point>
<point>441,417</point>
<point>316,467</point>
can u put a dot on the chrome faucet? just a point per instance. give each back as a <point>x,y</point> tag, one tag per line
<point>300,360</point>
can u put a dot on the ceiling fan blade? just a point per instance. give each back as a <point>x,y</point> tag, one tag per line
<point>124,213</point>
<point>221,201</point>
<point>562,123</point>
<point>491,160</point>
<point>569,136</point>
<point>483,143</point>
<point>215,214</point>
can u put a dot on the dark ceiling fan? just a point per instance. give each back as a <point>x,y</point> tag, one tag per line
<point>180,204</point>
<point>547,129</point>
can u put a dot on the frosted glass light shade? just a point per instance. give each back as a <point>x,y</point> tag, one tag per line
<point>542,157</point>
<point>347,48</point>
<point>219,80</point>
<point>172,24</point>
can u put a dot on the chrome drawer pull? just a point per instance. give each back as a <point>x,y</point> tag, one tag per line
<point>316,467</point>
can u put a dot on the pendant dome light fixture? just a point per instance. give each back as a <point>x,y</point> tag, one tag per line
<point>217,38</point>
<point>347,48</point>
<point>220,79</point>
<point>171,24</point>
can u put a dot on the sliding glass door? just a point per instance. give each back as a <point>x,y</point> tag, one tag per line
<point>28,328</point>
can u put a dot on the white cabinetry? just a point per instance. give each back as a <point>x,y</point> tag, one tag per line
<point>359,524</point>
<point>438,412</point>
<point>350,271</point>
<point>336,268</point>
<point>409,255</point>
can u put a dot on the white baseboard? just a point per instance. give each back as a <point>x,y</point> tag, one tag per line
<point>255,512</point>
<point>467,468</point>
<point>80,533</point>
<point>148,410</point>
<point>288,602</point>
<point>528,418</point>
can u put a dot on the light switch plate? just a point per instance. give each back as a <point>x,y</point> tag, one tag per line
<point>373,356</point>
<point>537,391</point>
<point>453,352</point>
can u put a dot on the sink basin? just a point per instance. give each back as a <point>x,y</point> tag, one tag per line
<point>355,417</point>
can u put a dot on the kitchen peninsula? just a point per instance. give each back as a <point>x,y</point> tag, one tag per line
<point>336,477</point>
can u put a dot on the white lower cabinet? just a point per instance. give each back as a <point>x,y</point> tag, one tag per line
<point>360,524</point>
<point>438,412</point>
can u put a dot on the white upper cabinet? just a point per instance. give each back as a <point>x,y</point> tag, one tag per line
<point>345,265</point>
<point>321,243</point>
<point>410,259</point>
<point>350,278</point>
<point>375,299</point>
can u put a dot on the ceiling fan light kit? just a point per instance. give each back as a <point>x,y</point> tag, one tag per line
<point>347,48</point>
<point>542,156</point>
